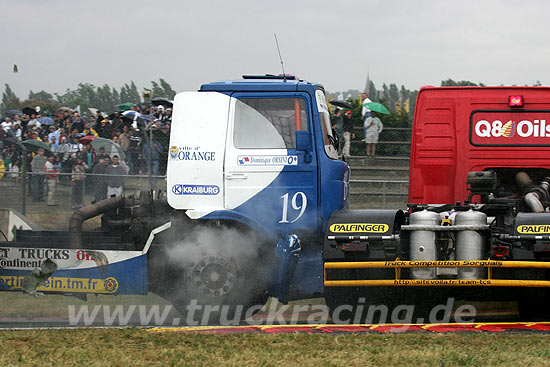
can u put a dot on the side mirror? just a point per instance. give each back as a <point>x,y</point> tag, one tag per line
<point>303,141</point>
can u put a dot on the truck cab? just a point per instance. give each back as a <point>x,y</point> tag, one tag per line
<point>257,151</point>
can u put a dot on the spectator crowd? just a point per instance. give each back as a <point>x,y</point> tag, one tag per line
<point>68,136</point>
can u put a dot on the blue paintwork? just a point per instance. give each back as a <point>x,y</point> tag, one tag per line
<point>288,251</point>
<point>131,275</point>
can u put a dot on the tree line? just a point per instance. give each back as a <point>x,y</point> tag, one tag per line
<point>86,95</point>
<point>400,101</point>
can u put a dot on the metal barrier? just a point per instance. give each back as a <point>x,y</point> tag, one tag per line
<point>393,142</point>
<point>67,195</point>
<point>385,190</point>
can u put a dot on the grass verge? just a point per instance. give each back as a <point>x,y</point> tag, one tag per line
<point>136,347</point>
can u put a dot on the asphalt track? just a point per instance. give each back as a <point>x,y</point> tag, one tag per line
<point>495,327</point>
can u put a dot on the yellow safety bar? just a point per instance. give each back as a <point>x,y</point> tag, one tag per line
<point>399,264</point>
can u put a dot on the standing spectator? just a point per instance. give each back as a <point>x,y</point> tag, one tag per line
<point>88,155</point>
<point>124,140</point>
<point>115,180</point>
<point>14,172</point>
<point>6,124</point>
<point>373,127</point>
<point>163,137</point>
<point>54,146</point>
<point>100,182</point>
<point>17,120</point>
<point>34,121</point>
<point>365,111</point>
<point>135,144</point>
<point>51,178</point>
<point>78,177</point>
<point>348,133</point>
<point>89,131</point>
<point>75,148</point>
<point>16,131</point>
<point>168,116</point>
<point>77,124</point>
<point>338,128</point>
<point>104,128</point>
<point>101,153</point>
<point>37,178</point>
<point>155,156</point>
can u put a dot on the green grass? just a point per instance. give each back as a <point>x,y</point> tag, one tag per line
<point>138,347</point>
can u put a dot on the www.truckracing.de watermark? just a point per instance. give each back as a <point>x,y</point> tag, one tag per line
<point>273,313</point>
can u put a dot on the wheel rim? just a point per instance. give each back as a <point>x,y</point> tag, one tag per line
<point>214,276</point>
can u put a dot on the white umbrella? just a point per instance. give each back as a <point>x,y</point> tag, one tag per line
<point>111,148</point>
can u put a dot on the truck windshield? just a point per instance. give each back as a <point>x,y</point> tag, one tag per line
<point>269,122</point>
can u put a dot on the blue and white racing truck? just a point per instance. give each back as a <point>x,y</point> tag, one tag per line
<point>252,179</point>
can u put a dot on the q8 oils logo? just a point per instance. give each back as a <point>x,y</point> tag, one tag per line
<point>510,128</point>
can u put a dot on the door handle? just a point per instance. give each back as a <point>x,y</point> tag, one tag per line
<point>236,176</point>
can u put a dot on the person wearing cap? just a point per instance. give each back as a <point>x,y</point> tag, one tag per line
<point>160,112</point>
<point>348,133</point>
<point>104,128</point>
<point>168,116</point>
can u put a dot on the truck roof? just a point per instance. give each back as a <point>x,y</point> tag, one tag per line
<point>259,83</point>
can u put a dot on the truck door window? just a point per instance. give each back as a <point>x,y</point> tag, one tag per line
<point>269,122</point>
<point>326,129</point>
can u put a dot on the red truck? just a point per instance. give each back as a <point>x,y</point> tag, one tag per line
<point>478,223</point>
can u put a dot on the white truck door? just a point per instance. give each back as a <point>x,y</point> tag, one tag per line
<point>249,144</point>
<point>196,157</point>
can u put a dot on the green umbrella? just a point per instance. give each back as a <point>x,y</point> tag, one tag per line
<point>377,107</point>
<point>34,144</point>
<point>125,106</point>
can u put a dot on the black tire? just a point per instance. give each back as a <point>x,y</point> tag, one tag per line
<point>217,284</point>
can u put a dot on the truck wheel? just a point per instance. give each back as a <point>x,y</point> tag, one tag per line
<point>219,286</point>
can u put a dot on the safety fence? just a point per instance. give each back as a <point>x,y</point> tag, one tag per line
<point>50,200</point>
<point>384,194</point>
<point>392,142</point>
<point>50,203</point>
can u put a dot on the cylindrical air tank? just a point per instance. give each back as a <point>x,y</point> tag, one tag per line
<point>422,245</point>
<point>470,245</point>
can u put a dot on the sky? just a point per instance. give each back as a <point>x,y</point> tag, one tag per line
<point>57,44</point>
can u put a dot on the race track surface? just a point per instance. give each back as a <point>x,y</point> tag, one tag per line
<point>497,327</point>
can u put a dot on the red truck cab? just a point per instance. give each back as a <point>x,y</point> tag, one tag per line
<point>458,130</point>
